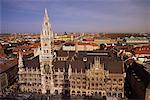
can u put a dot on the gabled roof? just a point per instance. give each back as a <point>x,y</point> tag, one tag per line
<point>32,63</point>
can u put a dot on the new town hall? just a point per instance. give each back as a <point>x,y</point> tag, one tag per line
<point>78,73</point>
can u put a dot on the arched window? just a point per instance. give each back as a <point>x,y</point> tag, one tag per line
<point>56,92</point>
<point>78,93</point>
<point>120,95</point>
<point>100,93</point>
<point>73,91</point>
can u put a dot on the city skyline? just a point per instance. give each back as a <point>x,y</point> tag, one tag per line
<point>76,16</point>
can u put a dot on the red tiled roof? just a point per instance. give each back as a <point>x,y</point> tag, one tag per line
<point>36,45</point>
<point>144,46</point>
<point>124,47</point>
<point>142,49</point>
<point>92,44</point>
<point>88,39</point>
<point>142,52</point>
<point>24,53</point>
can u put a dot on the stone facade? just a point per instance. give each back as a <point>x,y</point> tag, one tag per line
<point>71,72</point>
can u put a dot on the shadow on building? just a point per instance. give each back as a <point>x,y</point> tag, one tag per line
<point>136,81</point>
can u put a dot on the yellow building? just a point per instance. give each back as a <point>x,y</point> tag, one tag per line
<point>105,41</point>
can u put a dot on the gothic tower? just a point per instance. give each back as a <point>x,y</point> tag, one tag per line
<point>46,56</point>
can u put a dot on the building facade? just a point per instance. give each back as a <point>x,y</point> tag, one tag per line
<point>78,73</point>
<point>8,74</point>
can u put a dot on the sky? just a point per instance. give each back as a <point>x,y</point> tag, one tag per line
<point>26,16</point>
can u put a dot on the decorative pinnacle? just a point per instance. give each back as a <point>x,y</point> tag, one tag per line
<point>46,15</point>
<point>20,60</point>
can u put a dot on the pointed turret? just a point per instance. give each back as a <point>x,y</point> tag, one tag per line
<point>46,15</point>
<point>20,61</point>
<point>69,71</point>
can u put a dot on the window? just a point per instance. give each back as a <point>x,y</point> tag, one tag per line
<point>73,91</point>
<point>84,83</point>
<point>92,79</point>
<point>100,84</point>
<point>114,94</point>
<point>120,95</point>
<point>48,91</point>
<point>79,87</point>
<point>92,84</point>
<point>95,93</point>
<point>78,77</point>
<point>109,94</point>
<point>96,78</point>
<point>96,84</point>
<point>73,82</point>
<point>46,77</point>
<point>61,69</point>
<point>73,86</point>
<point>78,82</point>
<point>78,91</point>
<point>56,70</point>
<point>84,78</point>
<point>83,93</point>
<point>100,93</point>
<point>56,92</point>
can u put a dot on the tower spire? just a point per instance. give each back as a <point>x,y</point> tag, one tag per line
<point>46,15</point>
<point>46,39</point>
<point>46,56</point>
